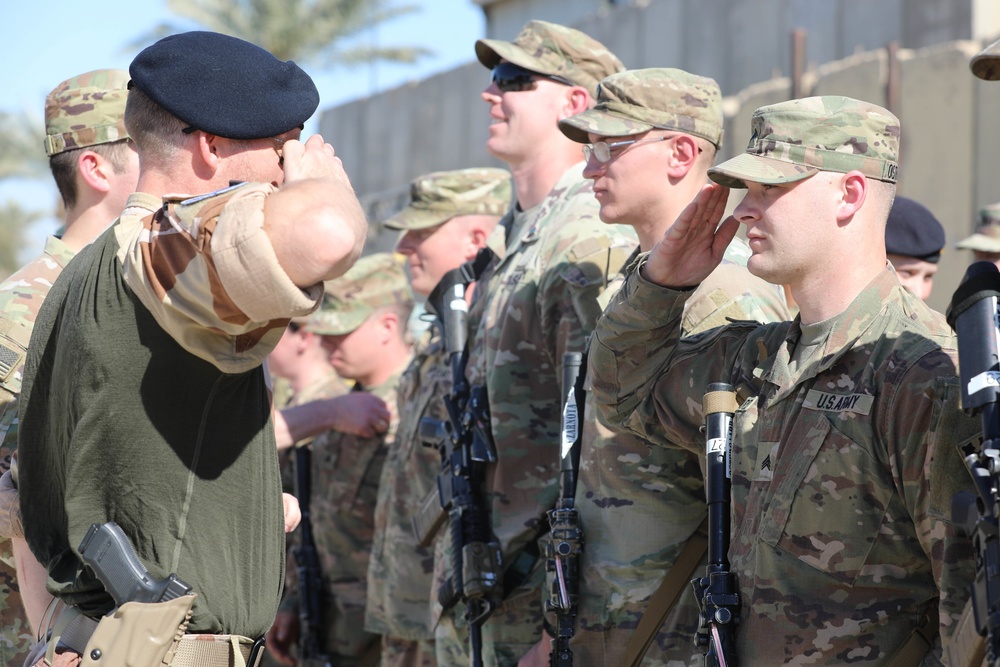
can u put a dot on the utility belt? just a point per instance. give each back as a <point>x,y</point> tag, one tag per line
<point>144,634</point>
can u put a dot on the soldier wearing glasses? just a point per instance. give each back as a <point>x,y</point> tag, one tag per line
<point>655,133</point>
<point>537,300</point>
<point>848,440</point>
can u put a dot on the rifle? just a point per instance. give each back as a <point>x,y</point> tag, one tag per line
<point>716,592</point>
<point>563,550</point>
<point>466,447</point>
<point>973,314</point>
<point>307,567</point>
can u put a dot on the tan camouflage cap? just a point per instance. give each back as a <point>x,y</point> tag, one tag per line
<point>987,235</point>
<point>373,282</point>
<point>553,50</point>
<point>438,197</point>
<point>640,100</point>
<point>986,63</point>
<point>794,140</point>
<point>86,110</point>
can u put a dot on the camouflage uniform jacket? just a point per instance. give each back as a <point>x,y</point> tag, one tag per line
<point>400,571</point>
<point>537,300</point>
<point>345,477</point>
<point>21,295</point>
<point>639,503</point>
<point>193,296</point>
<point>843,472</point>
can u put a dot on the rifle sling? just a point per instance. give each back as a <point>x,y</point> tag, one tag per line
<point>665,598</point>
<point>523,562</point>
<point>920,641</point>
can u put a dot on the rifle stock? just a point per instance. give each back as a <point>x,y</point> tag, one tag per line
<point>973,314</point>
<point>716,592</point>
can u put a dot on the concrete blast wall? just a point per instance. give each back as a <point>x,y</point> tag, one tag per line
<point>950,128</point>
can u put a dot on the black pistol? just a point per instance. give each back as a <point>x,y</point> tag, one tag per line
<point>108,552</point>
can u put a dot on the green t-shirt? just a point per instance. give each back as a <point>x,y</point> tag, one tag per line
<point>120,423</point>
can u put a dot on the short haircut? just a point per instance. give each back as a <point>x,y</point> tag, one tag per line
<point>157,133</point>
<point>403,310</point>
<point>881,194</point>
<point>63,166</point>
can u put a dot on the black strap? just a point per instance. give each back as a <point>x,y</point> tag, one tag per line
<point>523,562</point>
<point>473,269</point>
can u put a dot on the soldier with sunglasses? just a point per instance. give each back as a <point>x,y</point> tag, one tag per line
<point>536,300</point>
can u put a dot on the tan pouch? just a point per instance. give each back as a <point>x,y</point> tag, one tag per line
<point>139,634</point>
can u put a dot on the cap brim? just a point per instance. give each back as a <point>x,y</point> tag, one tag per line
<point>341,324</point>
<point>986,63</point>
<point>603,123</point>
<point>413,218</point>
<point>979,242</point>
<point>735,172</point>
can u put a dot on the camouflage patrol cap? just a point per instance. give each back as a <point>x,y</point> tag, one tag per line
<point>793,140</point>
<point>640,100</point>
<point>86,110</point>
<point>553,50</point>
<point>987,235</point>
<point>373,282</point>
<point>438,197</point>
<point>986,63</point>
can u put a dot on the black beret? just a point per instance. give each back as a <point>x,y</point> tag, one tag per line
<point>224,85</point>
<point>913,231</point>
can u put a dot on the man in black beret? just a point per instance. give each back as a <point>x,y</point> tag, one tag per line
<point>913,242</point>
<point>144,400</point>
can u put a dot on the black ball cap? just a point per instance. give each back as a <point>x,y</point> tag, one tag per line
<point>913,231</point>
<point>225,86</point>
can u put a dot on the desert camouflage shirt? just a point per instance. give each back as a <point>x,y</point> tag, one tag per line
<point>845,460</point>
<point>400,571</point>
<point>537,300</point>
<point>345,477</point>
<point>639,503</point>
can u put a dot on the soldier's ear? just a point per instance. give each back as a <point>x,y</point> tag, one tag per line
<point>95,170</point>
<point>853,192</point>
<point>578,100</point>
<point>206,152</point>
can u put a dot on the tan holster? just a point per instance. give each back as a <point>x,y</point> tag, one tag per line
<point>139,634</point>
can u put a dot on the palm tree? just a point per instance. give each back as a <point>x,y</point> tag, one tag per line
<point>306,31</point>
<point>21,149</point>
<point>14,220</point>
<point>21,156</point>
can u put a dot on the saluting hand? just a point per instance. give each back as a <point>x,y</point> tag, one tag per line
<point>313,159</point>
<point>695,243</point>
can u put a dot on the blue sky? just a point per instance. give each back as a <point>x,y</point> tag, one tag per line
<point>47,41</point>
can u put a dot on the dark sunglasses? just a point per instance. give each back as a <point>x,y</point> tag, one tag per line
<point>511,78</point>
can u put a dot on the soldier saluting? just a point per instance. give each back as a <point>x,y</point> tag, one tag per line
<point>847,441</point>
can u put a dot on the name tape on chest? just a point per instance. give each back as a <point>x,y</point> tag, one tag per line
<point>857,403</point>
